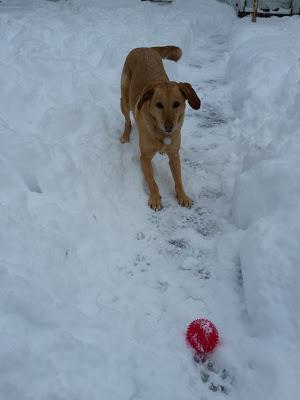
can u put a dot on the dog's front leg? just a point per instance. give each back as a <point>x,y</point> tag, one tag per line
<point>175,166</point>
<point>154,196</point>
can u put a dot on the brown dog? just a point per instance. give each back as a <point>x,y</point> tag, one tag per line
<point>158,107</point>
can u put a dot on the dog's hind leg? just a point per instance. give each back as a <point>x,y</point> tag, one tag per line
<point>125,108</point>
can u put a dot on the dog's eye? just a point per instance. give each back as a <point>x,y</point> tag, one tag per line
<point>176,104</point>
<point>159,105</point>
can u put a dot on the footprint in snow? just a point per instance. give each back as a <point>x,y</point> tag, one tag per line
<point>202,220</point>
<point>217,378</point>
<point>141,261</point>
<point>197,265</point>
<point>210,117</point>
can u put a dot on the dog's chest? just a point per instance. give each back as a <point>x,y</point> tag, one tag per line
<point>167,141</point>
<point>165,145</point>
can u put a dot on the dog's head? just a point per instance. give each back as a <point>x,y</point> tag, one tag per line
<point>167,103</point>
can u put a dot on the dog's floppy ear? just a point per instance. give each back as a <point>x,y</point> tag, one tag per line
<point>190,94</point>
<point>146,95</point>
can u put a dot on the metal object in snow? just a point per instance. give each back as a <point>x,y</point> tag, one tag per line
<point>267,8</point>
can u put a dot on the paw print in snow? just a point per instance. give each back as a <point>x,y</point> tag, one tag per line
<point>217,378</point>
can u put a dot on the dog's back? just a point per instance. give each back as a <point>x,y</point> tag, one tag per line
<point>144,65</point>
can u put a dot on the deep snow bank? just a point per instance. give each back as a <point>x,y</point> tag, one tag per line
<point>264,74</point>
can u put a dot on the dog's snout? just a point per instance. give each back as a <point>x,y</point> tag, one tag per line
<point>169,127</point>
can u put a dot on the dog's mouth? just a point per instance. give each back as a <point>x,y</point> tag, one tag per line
<point>167,131</point>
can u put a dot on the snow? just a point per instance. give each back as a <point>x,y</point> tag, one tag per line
<point>265,193</point>
<point>96,290</point>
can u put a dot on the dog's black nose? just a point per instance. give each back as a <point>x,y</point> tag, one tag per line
<point>168,128</point>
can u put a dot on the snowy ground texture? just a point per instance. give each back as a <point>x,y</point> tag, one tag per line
<point>96,290</point>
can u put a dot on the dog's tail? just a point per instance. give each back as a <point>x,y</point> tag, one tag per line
<point>169,52</point>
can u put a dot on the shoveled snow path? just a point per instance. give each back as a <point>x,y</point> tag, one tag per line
<point>97,289</point>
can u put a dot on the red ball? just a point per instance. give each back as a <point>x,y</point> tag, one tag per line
<point>202,335</point>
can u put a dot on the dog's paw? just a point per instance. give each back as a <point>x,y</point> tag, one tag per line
<point>184,200</point>
<point>155,201</point>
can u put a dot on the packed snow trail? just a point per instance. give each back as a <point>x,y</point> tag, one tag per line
<point>96,289</point>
